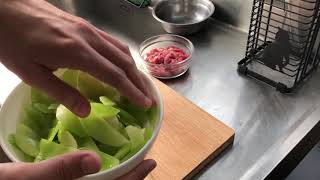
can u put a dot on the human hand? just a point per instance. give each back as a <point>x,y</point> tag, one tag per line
<point>67,167</point>
<point>37,39</point>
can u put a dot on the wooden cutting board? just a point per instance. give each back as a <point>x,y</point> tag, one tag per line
<point>189,138</point>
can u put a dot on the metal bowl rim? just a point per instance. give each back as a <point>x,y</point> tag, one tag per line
<point>181,24</point>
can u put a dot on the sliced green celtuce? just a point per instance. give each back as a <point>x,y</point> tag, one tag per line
<point>43,108</point>
<point>20,154</point>
<point>102,131</point>
<point>127,119</point>
<point>93,89</point>
<point>108,149</point>
<point>27,145</point>
<point>102,111</point>
<point>107,161</point>
<point>66,139</point>
<point>26,131</point>
<point>69,121</point>
<point>136,137</point>
<point>53,106</point>
<point>106,101</point>
<point>38,121</point>
<point>118,125</point>
<point>38,96</point>
<point>87,142</point>
<point>54,131</point>
<point>71,77</point>
<point>140,114</point>
<point>148,130</point>
<point>153,116</point>
<point>123,151</point>
<point>136,141</point>
<point>49,149</point>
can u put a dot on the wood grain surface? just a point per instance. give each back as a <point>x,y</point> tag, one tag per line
<point>189,138</point>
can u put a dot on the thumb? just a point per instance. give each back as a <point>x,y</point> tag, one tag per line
<point>66,167</point>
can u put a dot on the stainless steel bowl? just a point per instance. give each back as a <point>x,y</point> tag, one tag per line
<point>183,17</point>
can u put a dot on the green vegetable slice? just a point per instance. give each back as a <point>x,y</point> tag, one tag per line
<point>102,111</point>
<point>107,161</point>
<point>26,131</point>
<point>38,121</point>
<point>43,108</point>
<point>19,153</point>
<point>53,106</point>
<point>101,130</point>
<point>70,122</point>
<point>49,149</point>
<point>153,115</point>
<point>66,139</point>
<point>114,122</point>
<point>71,77</point>
<point>37,96</point>
<point>27,145</point>
<point>136,136</point>
<point>148,131</point>
<point>88,143</point>
<point>127,119</point>
<point>108,149</point>
<point>123,151</point>
<point>136,141</point>
<point>106,101</point>
<point>54,131</point>
<point>93,88</point>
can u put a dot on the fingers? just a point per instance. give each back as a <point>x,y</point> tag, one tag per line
<point>141,171</point>
<point>104,70</point>
<point>141,84</point>
<point>114,41</point>
<point>69,166</point>
<point>113,54</point>
<point>66,167</point>
<point>43,79</point>
<point>119,54</point>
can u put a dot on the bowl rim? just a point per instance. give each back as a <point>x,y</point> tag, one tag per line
<point>180,24</point>
<point>144,43</point>
<point>156,131</point>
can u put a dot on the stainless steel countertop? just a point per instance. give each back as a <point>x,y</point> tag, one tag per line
<point>268,124</point>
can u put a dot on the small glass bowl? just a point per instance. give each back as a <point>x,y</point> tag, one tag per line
<point>167,71</point>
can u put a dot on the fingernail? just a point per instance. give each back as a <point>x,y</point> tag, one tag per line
<point>82,109</point>
<point>90,165</point>
<point>147,102</point>
<point>151,164</point>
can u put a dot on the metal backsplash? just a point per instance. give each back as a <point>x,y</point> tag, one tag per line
<point>233,12</point>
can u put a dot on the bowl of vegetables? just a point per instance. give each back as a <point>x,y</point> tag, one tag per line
<point>34,127</point>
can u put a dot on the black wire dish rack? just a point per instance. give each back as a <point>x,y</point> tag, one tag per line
<point>139,3</point>
<point>283,42</point>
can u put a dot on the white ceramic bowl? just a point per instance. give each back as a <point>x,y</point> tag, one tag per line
<point>10,116</point>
